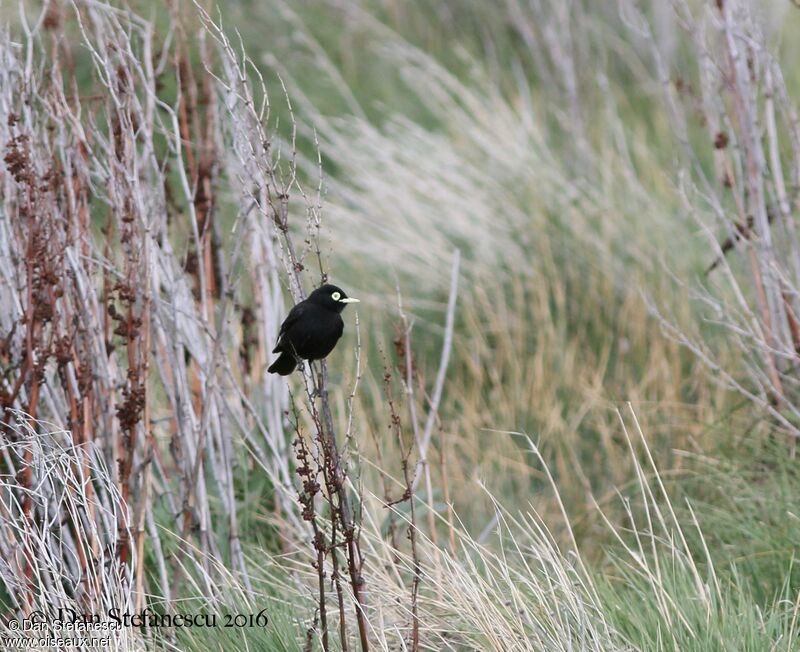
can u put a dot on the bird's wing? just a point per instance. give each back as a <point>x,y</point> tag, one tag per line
<point>294,314</point>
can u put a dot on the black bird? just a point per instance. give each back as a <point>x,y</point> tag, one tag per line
<point>311,330</point>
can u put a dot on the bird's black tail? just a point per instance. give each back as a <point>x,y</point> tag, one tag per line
<point>284,365</point>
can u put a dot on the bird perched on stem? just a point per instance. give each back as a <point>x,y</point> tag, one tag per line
<point>311,330</point>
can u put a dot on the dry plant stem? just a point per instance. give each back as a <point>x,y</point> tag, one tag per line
<point>748,113</point>
<point>321,548</point>
<point>412,406</point>
<point>747,124</point>
<point>334,486</point>
<point>349,442</point>
<point>343,638</point>
<point>410,491</point>
<point>308,491</point>
<point>327,463</point>
<point>408,495</point>
<point>348,436</point>
<point>433,410</point>
<point>89,314</point>
<point>416,567</point>
<point>342,508</point>
<point>387,499</point>
<point>272,198</point>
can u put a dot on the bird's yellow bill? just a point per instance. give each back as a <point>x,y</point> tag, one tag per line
<point>350,300</point>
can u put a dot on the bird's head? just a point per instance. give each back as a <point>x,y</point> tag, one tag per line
<point>331,297</point>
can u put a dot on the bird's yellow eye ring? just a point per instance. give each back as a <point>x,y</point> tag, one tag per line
<point>336,296</point>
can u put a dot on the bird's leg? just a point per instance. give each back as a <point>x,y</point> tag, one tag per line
<point>320,382</point>
<point>315,391</point>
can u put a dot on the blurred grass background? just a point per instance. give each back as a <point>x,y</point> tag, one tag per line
<point>440,127</point>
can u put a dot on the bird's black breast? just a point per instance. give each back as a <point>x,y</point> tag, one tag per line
<point>310,332</point>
